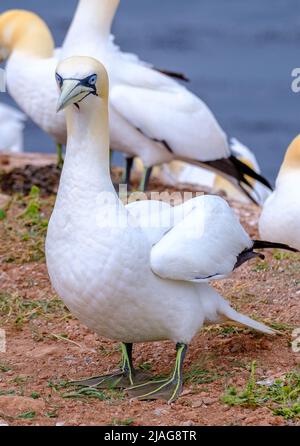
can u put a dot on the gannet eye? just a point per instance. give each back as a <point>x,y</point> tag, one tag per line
<point>92,79</point>
<point>59,80</point>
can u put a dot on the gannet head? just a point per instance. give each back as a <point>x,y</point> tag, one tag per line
<point>292,157</point>
<point>80,79</point>
<point>25,31</point>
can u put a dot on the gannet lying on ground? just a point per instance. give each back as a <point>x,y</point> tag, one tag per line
<point>109,267</point>
<point>280,217</point>
<point>176,124</point>
<point>12,123</point>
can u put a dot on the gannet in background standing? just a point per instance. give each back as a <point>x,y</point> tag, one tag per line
<point>106,264</point>
<point>280,217</point>
<point>27,43</point>
<point>12,123</point>
<point>175,125</point>
<point>174,116</point>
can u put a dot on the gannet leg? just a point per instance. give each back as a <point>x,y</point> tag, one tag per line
<point>122,378</point>
<point>60,159</point>
<point>145,179</point>
<point>127,173</point>
<point>167,389</point>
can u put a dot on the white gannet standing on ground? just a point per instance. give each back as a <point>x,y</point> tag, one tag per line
<point>176,123</point>
<point>109,267</point>
<point>280,217</point>
<point>27,44</point>
<point>12,123</point>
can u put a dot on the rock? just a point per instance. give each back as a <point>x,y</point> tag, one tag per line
<point>209,401</point>
<point>197,403</point>
<point>3,423</point>
<point>187,423</point>
<point>13,406</point>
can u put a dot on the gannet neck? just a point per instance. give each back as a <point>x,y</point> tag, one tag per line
<point>86,164</point>
<point>93,18</point>
<point>25,32</point>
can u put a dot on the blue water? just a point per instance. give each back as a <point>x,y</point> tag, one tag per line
<point>239,56</point>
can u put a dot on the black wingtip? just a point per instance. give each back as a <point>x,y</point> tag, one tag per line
<point>247,255</point>
<point>248,171</point>
<point>262,244</point>
<point>233,168</point>
<point>173,74</point>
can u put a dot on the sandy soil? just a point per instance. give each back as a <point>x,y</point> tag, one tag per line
<point>46,346</point>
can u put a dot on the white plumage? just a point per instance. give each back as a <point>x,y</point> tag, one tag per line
<point>12,123</point>
<point>280,217</point>
<point>197,241</point>
<point>100,253</point>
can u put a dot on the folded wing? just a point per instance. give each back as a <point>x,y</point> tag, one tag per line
<point>204,245</point>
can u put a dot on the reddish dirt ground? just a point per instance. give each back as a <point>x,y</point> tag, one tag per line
<point>46,346</point>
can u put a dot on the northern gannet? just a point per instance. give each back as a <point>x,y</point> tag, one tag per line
<point>176,118</point>
<point>280,217</point>
<point>12,123</point>
<point>106,263</point>
<point>176,124</point>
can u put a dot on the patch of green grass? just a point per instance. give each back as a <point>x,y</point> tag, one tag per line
<point>281,326</point>
<point>197,375</point>
<point>2,214</point>
<point>229,330</point>
<point>17,310</point>
<point>126,422</point>
<point>27,415</point>
<point>7,392</point>
<point>4,368</point>
<point>282,397</point>
<point>282,255</point>
<point>36,224</point>
<point>52,414</point>
<point>20,380</point>
<point>35,395</point>
<point>261,266</point>
<point>87,392</point>
<point>146,366</point>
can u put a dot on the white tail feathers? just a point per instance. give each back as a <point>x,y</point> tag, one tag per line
<point>246,321</point>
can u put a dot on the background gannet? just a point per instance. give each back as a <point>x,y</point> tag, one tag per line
<point>27,43</point>
<point>175,117</point>
<point>280,217</point>
<point>99,254</point>
<point>176,123</point>
<point>179,172</point>
<point>11,129</point>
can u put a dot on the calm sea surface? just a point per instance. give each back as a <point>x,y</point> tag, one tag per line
<point>239,56</point>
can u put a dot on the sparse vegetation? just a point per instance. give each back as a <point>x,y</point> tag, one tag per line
<point>197,375</point>
<point>17,310</point>
<point>282,396</point>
